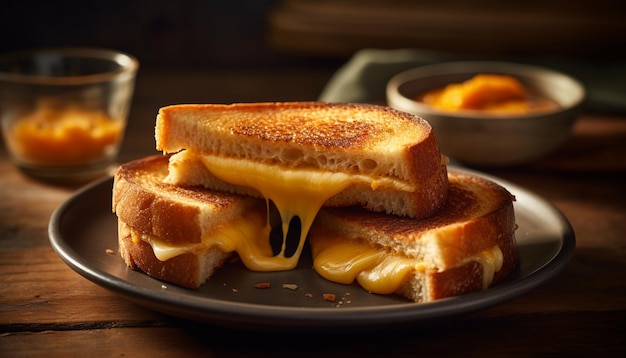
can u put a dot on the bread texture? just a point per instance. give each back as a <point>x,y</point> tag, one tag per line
<point>176,215</point>
<point>478,217</point>
<point>188,169</point>
<point>357,139</point>
<point>189,270</point>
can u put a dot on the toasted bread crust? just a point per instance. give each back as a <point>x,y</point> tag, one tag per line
<point>354,127</point>
<point>353,138</point>
<point>433,285</point>
<point>173,213</point>
<point>188,270</point>
<point>476,208</point>
<point>305,134</point>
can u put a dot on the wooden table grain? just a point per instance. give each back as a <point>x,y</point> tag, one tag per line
<point>46,309</point>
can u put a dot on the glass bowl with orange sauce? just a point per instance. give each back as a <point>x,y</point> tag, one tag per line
<point>489,113</point>
<point>64,110</point>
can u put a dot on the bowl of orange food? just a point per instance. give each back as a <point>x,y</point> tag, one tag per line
<point>487,113</point>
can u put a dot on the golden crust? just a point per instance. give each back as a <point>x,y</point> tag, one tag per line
<point>468,278</point>
<point>323,125</point>
<point>188,270</point>
<point>352,138</point>
<point>433,285</point>
<point>477,209</point>
<point>173,213</point>
<point>355,138</point>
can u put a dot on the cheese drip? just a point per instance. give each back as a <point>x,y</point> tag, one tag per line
<point>344,261</point>
<point>341,260</point>
<point>246,235</point>
<point>295,192</point>
<point>491,261</point>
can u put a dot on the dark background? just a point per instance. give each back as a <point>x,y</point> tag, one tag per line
<point>273,33</point>
<point>161,33</point>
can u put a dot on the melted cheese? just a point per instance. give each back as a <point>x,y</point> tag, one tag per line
<point>344,261</point>
<point>246,235</point>
<point>295,192</point>
<point>491,261</point>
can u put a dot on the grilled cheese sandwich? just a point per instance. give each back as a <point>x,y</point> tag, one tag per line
<point>182,235</point>
<point>303,156</point>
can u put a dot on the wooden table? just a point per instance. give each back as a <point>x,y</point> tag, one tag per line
<point>47,309</point>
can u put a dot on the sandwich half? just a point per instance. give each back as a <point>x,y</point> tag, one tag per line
<point>300,156</point>
<point>182,235</point>
<point>467,246</point>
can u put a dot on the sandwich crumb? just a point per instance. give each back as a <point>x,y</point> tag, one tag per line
<point>235,290</point>
<point>109,251</point>
<point>346,298</point>
<point>308,294</point>
<point>330,297</point>
<point>262,285</point>
<point>290,286</point>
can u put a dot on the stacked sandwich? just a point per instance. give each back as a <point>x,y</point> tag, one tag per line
<point>364,186</point>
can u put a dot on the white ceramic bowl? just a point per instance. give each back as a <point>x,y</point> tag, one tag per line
<point>479,139</point>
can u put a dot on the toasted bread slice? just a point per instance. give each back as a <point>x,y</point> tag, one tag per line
<point>391,158</point>
<point>466,246</point>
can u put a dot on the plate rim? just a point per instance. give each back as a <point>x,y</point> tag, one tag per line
<point>263,316</point>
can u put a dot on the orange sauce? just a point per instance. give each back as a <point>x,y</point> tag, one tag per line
<point>497,94</point>
<point>65,136</point>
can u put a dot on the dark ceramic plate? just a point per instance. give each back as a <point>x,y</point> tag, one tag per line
<point>83,228</point>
